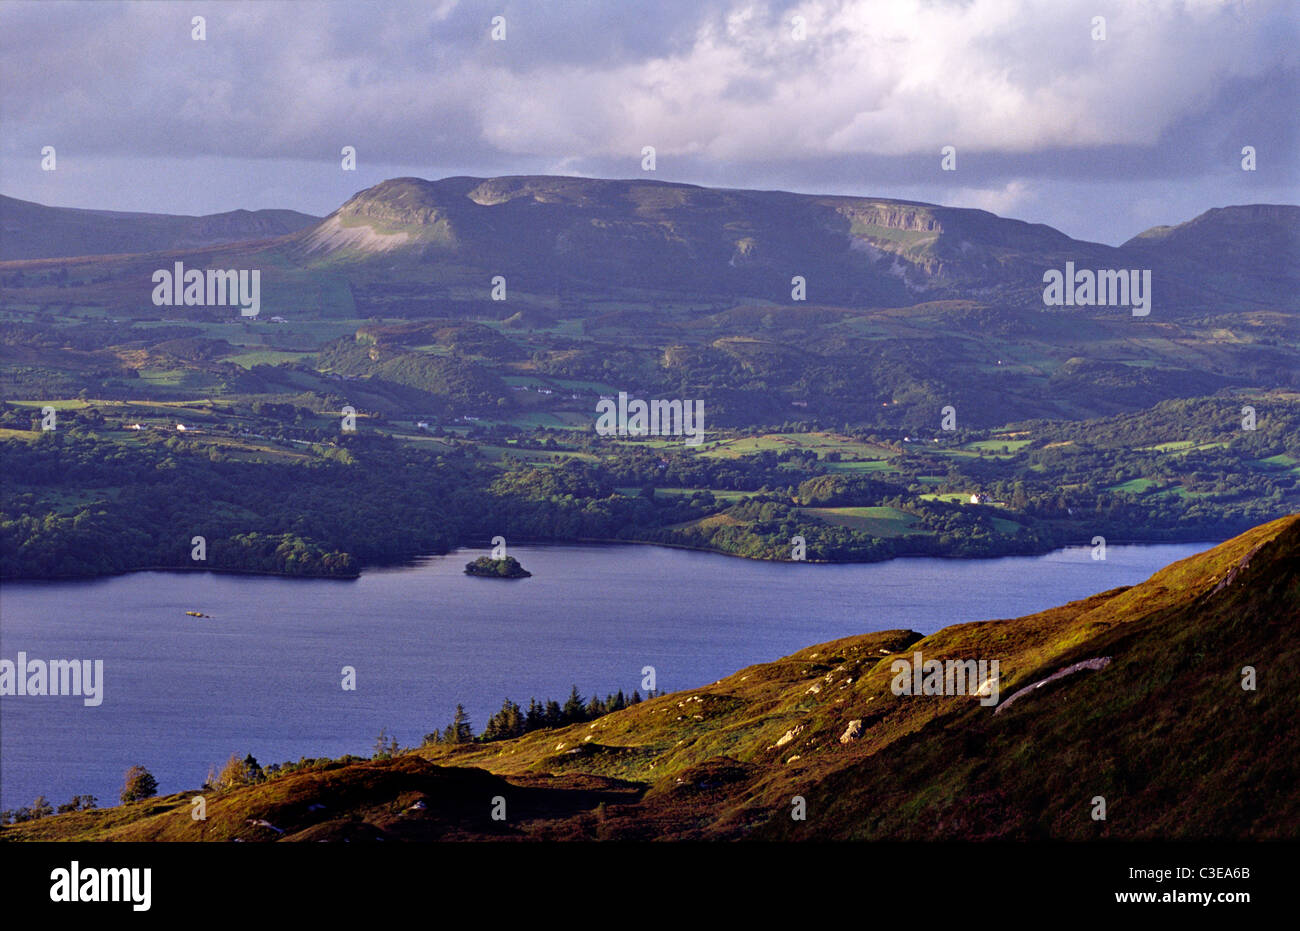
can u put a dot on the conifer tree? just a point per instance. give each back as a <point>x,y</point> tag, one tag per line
<point>459,731</point>
<point>573,708</point>
<point>536,717</point>
<point>554,716</point>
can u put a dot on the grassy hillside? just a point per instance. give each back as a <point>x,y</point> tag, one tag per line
<point>1163,731</point>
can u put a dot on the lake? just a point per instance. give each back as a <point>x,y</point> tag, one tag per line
<point>263,674</point>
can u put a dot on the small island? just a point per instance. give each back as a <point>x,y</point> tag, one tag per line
<point>505,568</point>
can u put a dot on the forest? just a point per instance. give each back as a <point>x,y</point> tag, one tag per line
<point>90,499</point>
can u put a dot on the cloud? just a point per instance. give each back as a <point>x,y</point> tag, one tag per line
<point>722,89</point>
<point>727,81</point>
<point>1002,200</point>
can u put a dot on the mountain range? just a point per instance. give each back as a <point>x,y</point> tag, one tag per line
<point>575,238</point>
<point>437,297</point>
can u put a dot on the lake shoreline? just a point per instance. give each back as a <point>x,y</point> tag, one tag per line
<point>267,676</point>
<point>583,541</point>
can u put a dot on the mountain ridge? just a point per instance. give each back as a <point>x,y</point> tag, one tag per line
<point>29,230</point>
<point>853,249</point>
<point>569,235</point>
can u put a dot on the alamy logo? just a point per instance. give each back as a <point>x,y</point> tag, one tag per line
<point>1106,287</point>
<point>56,677</point>
<point>218,288</point>
<point>652,418</point>
<point>951,677</point>
<point>87,884</point>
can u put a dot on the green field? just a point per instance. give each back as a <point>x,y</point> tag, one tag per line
<point>265,357</point>
<point>1280,461</point>
<point>558,420</point>
<point>66,404</point>
<point>877,521</point>
<point>720,494</point>
<point>870,465</point>
<point>1002,525</point>
<point>820,443</point>
<point>996,445</point>
<point>1134,485</point>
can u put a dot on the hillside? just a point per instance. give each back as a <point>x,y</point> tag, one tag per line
<point>568,235</point>
<point>567,242</point>
<point>35,231</point>
<point>574,234</point>
<point>663,288</point>
<point>1249,252</point>
<point>1151,716</point>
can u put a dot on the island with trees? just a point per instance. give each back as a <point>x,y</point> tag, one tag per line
<point>505,568</point>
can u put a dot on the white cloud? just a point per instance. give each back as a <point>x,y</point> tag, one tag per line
<point>1003,200</point>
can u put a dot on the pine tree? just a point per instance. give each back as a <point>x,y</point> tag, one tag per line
<point>459,731</point>
<point>536,717</point>
<point>492,729</point>
<point>573,708</point>
<point>514,721</point>
<point>554,716</point>
<point>508,722</point>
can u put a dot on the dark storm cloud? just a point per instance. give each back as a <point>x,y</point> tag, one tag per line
<point>725,92</point>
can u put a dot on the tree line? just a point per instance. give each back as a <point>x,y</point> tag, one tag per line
<point>514,721</point>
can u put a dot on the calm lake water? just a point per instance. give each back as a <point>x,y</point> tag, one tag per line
<point>262,676</point>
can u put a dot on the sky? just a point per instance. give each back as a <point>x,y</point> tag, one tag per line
<point>1099,127</point>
